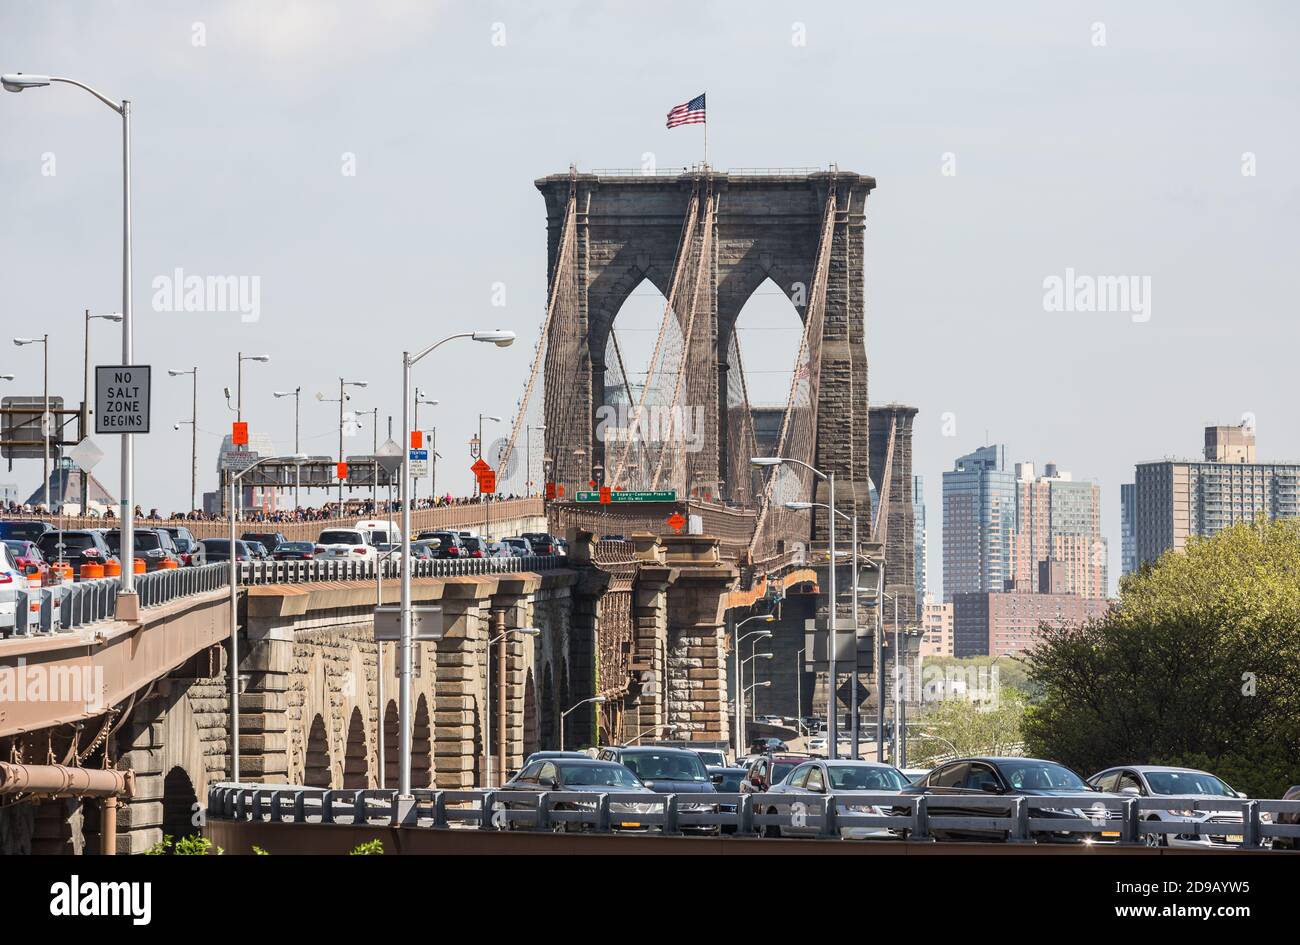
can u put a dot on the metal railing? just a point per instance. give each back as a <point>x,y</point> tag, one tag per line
<point>343,569</point>
<point>1015,819</point>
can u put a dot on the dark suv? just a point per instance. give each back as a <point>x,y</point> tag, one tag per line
<point>83,546</point>
<point>542,543</point>
<point>669,771</point>
<point>25,530</point>
<point>269,540</point>
<point>152,545</point>
<point>449,544</point>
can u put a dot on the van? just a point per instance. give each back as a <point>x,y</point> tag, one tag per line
<point>379,532</point>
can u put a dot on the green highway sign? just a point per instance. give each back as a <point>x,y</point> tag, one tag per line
<point>664,495</point>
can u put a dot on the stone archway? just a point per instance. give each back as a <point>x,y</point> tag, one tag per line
<point>391,750</point>
<point>547,717</point>
<point>179,803</point>
<point>422,747</point>
<point>356,761</point>
<point>532,720</point>
<point>319,768</point>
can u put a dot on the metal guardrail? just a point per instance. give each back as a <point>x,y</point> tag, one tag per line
<point>342,569</point>
<point>1022,819</point>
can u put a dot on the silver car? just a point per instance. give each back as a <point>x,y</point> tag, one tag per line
<point>820,777</point>
<point>12,580</point>
<point>1175,783</point>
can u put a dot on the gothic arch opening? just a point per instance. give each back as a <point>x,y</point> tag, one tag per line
<point>319,767</point>
<point>356,762</point>
<point>180,801</point>
<point>548,731</point>
<point>421,747</point>
<point>390,746</point>
<point>532,730</point>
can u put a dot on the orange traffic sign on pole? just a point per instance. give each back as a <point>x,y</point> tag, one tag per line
<point>605,495</point>
<point>341,470</point>
<point>677,520</point>
<point>239,433</point>
<point>417,439</point>
<point>479,467</point>
<point>487,482</point>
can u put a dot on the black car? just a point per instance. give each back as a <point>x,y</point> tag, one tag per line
<point>25,530</point>
<point>218,549</point>
<point>727,780</point>
<point>542,543</point>
<point>1004,777</point>
<point>668,771</point>
<point>269,540</point>
<point>82,546</point>
<point>294,551</point>
<point>760,746</point>
<point>187,546</point>
<point>449,544</point>
<point>153,545</point>
<point>582,775</point>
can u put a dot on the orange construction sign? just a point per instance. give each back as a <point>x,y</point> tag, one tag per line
<point>417,439</point>
<point>341,470</point>
<point>239,433</point>
<point>606,496</point>
<point>677,521</point>
<point>479,467</point>
<point>487,482</point>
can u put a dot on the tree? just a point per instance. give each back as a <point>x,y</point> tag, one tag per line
<point>958,726</point>
<point>1197,665</point>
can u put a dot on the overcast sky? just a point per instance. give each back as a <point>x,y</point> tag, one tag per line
<point>1011,143</point>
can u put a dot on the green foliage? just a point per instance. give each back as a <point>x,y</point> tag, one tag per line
<point>193,845</point>
<point>370,848</point>
<point>1198,665</point>
<point>961,727</point>
<point>258,851</point>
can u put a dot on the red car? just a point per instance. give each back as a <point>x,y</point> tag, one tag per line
<point>27,556</point>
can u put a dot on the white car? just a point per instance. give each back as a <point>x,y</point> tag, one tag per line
<point>797,795</point>
<point>1185,784</point>
<point>12,580</point>
<point>350,544</point>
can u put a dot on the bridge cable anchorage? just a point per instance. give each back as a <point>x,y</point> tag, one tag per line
<point>630,447</point>
<point>798,439</point>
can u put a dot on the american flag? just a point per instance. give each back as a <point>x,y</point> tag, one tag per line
<point>690,113</point>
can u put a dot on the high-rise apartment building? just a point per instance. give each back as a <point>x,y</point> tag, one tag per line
<point>920,537</point>
<point>1127,528</point>
<point>1178,499</point>
<point>979,523</point>
<point>1059,520</point>
<point>936,629</point>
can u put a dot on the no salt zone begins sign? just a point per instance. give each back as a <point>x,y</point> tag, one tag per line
<point>122,398</point>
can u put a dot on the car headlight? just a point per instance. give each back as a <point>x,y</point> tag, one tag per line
<point>1184,813</point>
<point>696,808</point>
<point>630,807</point>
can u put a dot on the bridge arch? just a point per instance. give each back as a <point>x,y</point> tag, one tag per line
<point>390,736</point>
<point>422,774</point>
<point>356,767</point>
<point>318,766</point>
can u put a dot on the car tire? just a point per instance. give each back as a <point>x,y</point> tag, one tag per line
<point>772,830</point>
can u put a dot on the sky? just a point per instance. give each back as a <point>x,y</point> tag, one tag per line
<point>370,166</point>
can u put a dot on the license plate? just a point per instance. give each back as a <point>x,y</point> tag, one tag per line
<point>1235,838</point>
<point>629,823</point>
<point>1110,833</point>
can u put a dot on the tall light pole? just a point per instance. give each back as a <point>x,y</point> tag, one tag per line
<point>374,455</point>
<point>235,476</point>
<point>482,451</point>
<point>239,380</point>
<point>737,717</point>
<point>194,428</point>
<point>85,399</point>
<point>487,703</point>
<point>415,425</point>
<point>342,399</point>
<point>565,714</point>
<point>501,339</point>
<point>17,82</point>
<point>296,394</point>
<point>528,455</point>
<point>829,478</point>
<point>46,419</point>
<point>879,647</point>
<point>756,656</point>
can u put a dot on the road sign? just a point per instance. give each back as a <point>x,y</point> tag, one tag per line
<point>24,419</point>
<point>677,520</point>
<point>122,398</point>
<point>239,433</point>
<point>487,483</point>
<point>426,622</point>
<point>417,439</point>
<point>606,496</point>
<point>85,454</point>
<point>341,470</point>
<point>236,460</point>
<point>389,456</point>
<point>419,462</point>
<point>666,495</point>
<point>479,467</point>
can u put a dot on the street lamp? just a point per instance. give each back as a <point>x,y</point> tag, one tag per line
<point>738,721</point>
<point>239,380</point>
<point>46,420</point>
<point>481,451</point>
<point>234,615</point>
<point>829,478</point>
<point>18,82</point>
<point>433,443</point>
<point>501,339</point>
<point>85,398</point>
<point>296,394</point>
<point>194,429</point>
<point>878,592</point>
<point>487,703</point>
<point>565,714</point>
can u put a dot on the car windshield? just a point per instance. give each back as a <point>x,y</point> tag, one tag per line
<point>142,541</point>
<point>1041,776</point>
<point>221,544</point>
<point>782,768</point>
<point>182,544</point>
<point>597,775</point>
<point>712,757</point>
<point>72,541</point>
<point>340,537</point>
<point>295,546</point>
<point>31,531</point>
<point>666,766</point>
<point>865,778</point>
<point>17,547</point>
<point>1187,782</point>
